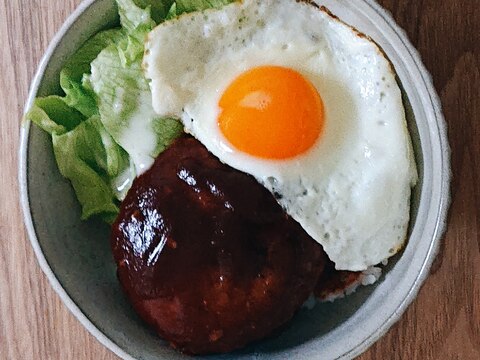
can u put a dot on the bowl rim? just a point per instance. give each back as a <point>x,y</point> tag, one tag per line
<point>24,193</point>
<point>440,221</point>
<point>440,226</point>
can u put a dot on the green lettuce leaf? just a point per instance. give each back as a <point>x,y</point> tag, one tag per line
<point>125,101</point>
<point>77,96</point>
<point>105,124</point>
<point>183,6</point>
<point>91,160</point>
<point>167,130</point>
<point>136,21</point>
<point>123,94</point>
<point>53,115</point>
<point>134,17</point>
<point>125,104</point>
<point>158,8</point>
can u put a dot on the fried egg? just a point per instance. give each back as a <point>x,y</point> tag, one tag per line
<point>284,91</point>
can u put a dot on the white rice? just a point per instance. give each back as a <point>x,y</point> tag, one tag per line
<point>368,277</point>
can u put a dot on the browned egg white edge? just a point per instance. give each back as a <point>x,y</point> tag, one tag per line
<point>312,3</point>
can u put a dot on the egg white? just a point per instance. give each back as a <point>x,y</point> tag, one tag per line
<point>351,190</point>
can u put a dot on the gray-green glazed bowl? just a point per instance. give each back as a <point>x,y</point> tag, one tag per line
<point>76,257</point>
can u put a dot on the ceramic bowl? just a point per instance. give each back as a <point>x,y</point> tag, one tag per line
<point>76,257</point>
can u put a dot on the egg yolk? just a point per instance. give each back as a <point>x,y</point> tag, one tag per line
<point>271,112</point>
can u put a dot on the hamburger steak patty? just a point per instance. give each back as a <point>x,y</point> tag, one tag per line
<point>207,256</point>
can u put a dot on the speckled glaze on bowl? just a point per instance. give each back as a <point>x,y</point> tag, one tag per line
<point>76,257</point>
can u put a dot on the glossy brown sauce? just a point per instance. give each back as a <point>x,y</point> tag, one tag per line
<point>207,256</point>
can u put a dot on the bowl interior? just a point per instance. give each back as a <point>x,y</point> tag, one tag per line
<point>79,255</point>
